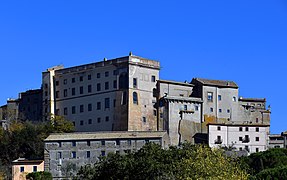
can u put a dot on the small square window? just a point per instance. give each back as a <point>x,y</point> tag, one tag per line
<point>220,110</point>
<point>107,118</point>
<point>240,139</point>
<point>218,128</point>
<point>22,169</point>
<point>115,84</point>
<point>219,97</point>
<point>185,107</point>
<point>99,87</point>
<point>88,143</point>
<point>65,111</point>
<point>88,154</point>
<point>90,107</point>
<point>107,74</point>
<point>73,109</point>
<point>257,129</point>
<point>89,77</point>
<point>257,120</point>
<point>73,80</point>
<point>89,88</point>
<point>34,168</point>
<point>81,78</point>
<point>90,121</point>
<point>246,129</point>
<point>152,78</point>
<point>57,83</point>
<point>81,123</point>
<point>196,107</point>
<point>65,81</point>
<point>98,75</point>
<point>211,109</point>
<point>118,142</point>
<point>98,119</point>
<point>228,111</point>
<point>135,82</point>
<point>81,90</point>
<point>144,119</point>
<point>73,154</point>
<point>257,150</point>
<point>103,143</point>
<point>98,105</point>
<point>73,91</point>
<point>240,128</point>
<point>81,108</point>
<point>210,96</point>
<point>106,85</point>
<point>74,143</point>
<point>257,139</point>
<point>103,153</point>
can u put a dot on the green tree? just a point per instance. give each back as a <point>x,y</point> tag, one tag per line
<point>153,162</point>
<point>39,176</point>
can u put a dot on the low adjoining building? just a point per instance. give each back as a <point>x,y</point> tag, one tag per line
<point>250,137</point>
<point>276,141</point>
<point>21,167</point>
<point>65,153</point>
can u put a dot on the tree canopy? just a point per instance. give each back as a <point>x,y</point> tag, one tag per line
<point>153,162</point>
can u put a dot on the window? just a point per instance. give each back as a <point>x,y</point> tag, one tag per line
<point>115,72</point>
<point>257,120</point>
<point>73,109</point>
<point>103,143</point>
<point>73,154</point>
<point>81,123</point>
<point>135,82</point>
<point>88,154</point>
<point>152,78</point>
<point>73,91</point>
<point>257,150</point>
<point>240,128</point>
<point>89,77</point>
<point>219,97</point>
<point>90,121</point>
<point>107,103</point>
<point>154,112</point>
<point>118,142</point>
<point>22,169</point>
<point>257,129</point>
<point>196,107</point>
<point>240,139</point>
<point>246,129</point>
<point>65,81</point>
<point>211,109</point>
<point>135,98</point>
<point>144,119</point>
<point>73,143</point>
<point>98,75</point>
<point>107,74</point>
<point>89,88</point>
<point>90,107</point>
<point>34,168</point>
<point>57,83</point>
<point>115,102</point>
<point>124,98</point>
<point>81,78</point>
<point>103,153</point>
<point>81,108</point>
<point>115,84</point>
<point>228,111</point>
<point>81,90</point>
<point>60,144</point>
<point>46,93</point>
<point>240,149</point>
<point>98,86</point>
<point>65,92</point>
<point>65,111</point>
<point>234,99</point>
<point>98,105</point>
<point>218,128</point>
<point>210,96</point>
<point>59,155</point>
<point>73,80</point>
<point>106,85</point>
<point>99,119</point>
<point>57,94</point>
<point>257,139</point>
<point>185,107</point>
<point>129,142</point>
<point>107,118</point>
<point>220,110</point>
<point>88,143</point>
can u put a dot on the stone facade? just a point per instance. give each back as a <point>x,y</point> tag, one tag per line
<point>66,153</point>
<point>110,95</point>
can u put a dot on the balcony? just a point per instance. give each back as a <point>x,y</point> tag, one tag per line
<point>246,140</point>
<point>218,141</point>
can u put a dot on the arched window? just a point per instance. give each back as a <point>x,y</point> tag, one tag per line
<point>135,98</point>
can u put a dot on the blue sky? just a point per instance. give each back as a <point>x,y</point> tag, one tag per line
<point>241,40</point>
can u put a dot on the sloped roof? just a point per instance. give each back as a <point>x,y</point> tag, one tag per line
<point>104,135</point>
<point>218,83</point>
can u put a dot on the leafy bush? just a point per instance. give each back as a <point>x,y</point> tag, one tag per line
<point>39,176</point>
